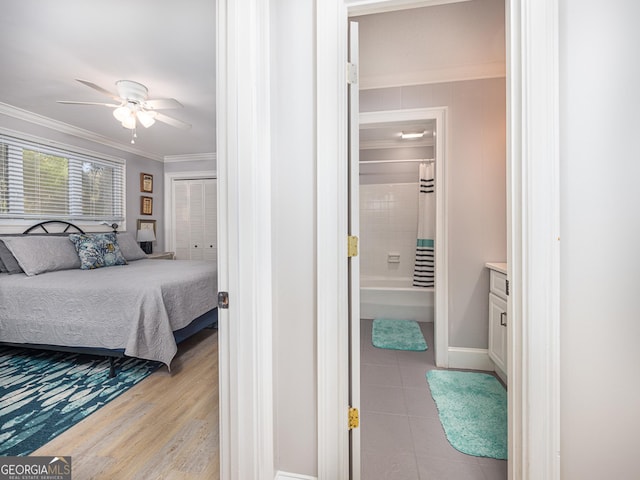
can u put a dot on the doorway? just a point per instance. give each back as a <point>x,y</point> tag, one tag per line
<point>464,94</point>
<point>387,159</point>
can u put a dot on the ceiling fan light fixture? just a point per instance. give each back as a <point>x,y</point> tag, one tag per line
<point>121,113</point>
<point>134,106</point>
<point>146,118</point>
<point>130,122</point>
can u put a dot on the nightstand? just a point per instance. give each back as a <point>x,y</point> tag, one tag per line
<point>161,256</point>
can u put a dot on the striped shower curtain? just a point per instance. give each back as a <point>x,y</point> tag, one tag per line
<point>424,271</point>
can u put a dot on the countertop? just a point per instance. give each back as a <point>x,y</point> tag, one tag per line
<point>498,267</point>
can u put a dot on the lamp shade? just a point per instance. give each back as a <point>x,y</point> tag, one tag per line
<point>146,235</point>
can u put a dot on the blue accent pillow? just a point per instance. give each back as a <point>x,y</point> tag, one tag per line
<point>97,250</point>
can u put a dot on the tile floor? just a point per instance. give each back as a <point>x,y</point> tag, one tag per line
<point>402,438</point>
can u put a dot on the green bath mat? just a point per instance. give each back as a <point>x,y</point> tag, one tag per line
<point>398,335</point>
<point>473,411</point>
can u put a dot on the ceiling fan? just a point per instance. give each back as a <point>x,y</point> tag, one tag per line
<point>133,106</point>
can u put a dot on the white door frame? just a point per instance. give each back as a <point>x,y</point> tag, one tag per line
<point>245,331</point>
<point>169,178</point>
<point>533,247</point>
<point>439,114</point>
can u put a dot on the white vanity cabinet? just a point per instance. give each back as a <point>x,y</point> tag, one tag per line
<point>498,292</point>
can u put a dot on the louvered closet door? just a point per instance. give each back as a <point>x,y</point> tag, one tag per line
<point>210,207</point>
<point>181,219</point>
<point>195,215</point>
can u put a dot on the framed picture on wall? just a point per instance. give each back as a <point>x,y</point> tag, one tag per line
<point>146,182</point>
<point>146,205</point>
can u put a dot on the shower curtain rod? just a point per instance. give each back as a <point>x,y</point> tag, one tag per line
<point>416,160</point>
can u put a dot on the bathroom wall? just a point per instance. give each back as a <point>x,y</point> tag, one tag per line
<point>476,189</point>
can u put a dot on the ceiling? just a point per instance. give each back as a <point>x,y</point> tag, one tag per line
<point>168,46</point>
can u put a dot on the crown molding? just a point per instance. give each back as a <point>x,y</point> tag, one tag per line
<point>369,7</point>
<point>62,127</point>
<point>448,74</point>
<point>192,157</point>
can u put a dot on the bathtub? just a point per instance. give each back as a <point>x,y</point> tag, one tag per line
<point>395,298</point>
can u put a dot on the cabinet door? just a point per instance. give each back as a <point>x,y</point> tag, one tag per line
<point>498,331</point>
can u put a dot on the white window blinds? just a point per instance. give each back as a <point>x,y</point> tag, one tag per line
<point>44,182</point>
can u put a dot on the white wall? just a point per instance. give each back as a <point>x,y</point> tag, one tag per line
<point>476,190</point>
<point>294,285</point>
<point>600,232</point>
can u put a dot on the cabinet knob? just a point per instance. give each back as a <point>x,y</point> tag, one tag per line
<point>195,246</point>
<point>503,319</point>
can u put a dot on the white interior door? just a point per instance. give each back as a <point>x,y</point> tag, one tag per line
<point>354,261</point>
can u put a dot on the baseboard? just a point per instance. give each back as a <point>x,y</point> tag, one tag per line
<point>470,358</point>
<point>293,476</point>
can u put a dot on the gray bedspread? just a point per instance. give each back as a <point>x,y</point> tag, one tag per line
<point>135,307</point>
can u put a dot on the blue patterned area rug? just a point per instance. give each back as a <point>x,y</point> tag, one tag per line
<point>473,411</point>
<point>44,393</point>
<point>398,335</point>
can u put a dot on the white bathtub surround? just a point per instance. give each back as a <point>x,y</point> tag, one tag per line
<point>388,226</point>
<point>395,298</point>
<point>424,269</point>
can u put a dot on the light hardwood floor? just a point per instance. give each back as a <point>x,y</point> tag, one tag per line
<point>165,427</point>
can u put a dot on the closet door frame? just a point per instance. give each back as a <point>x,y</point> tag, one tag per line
<point>169,178</point>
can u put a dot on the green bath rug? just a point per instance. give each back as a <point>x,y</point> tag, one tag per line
<point>398,335</point>
<point>473,411</point>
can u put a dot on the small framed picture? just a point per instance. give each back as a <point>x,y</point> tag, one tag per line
<point>146,182</point>
<point>147,225</point>
<point>146,205</point>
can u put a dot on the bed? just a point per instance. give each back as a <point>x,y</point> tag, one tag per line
<point>139,308</point>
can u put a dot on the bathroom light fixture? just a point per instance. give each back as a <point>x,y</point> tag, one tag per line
<point>406,136</point>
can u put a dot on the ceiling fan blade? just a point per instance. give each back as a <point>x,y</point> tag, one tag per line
<point>174,122</point>
<point>99,89</point>
<point>70,102</point>
<point>162,103</point>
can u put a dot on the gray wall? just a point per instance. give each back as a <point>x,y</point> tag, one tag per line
<point>190,166</point>
<point>134,165</point>
<point>476,190</point>
<point>600,228</point>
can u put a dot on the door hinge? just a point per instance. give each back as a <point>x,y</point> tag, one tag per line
<point>352,73</point>
<point>354,418</point>
<point>223,299</point>
<point>507,287</point>
<point>352,246</point>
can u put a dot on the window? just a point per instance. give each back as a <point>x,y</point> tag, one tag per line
<point>46,182</point>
